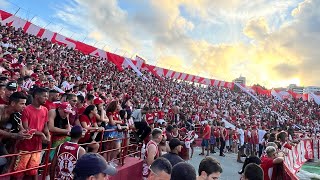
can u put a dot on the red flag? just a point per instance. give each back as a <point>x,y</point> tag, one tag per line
<point>116,59</point>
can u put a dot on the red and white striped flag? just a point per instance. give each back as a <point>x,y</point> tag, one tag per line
<point>140,62</point>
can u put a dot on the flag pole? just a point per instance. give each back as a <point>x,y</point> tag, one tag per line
<point>124,53</point>
<point>17,11</point>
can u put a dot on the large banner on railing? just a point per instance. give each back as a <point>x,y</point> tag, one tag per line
<point>297,156</point>
<point>119,61</point>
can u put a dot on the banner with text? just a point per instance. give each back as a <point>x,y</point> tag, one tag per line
<point>297,156</point>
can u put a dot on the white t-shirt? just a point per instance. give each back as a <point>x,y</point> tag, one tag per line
<point>261,133</point>
<point>136,115</point>
<point>241,136</point>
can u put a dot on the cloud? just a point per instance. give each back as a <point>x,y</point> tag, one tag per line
<point>290,53</point>
<point>256,29</point>
<point>4,4</point>
<point>286,70</point>
<point>274,41</point>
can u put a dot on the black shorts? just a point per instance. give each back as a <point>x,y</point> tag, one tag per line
<point>217,140</point>
<point>241,147</point>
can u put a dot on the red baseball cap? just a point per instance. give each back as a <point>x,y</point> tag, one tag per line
<point>8,73</point>
<point>97,101</point>
<point>35,75</point>
<point>66,107</point>
<point>183,130</point>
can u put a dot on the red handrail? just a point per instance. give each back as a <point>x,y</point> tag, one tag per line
<point>318,146</point>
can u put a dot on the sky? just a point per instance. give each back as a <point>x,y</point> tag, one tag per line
<point>270,42</point>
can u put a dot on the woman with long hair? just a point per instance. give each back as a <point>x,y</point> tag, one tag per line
<point>114,124</point>
<point>88,122</point>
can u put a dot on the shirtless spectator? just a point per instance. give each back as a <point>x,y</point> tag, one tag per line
<point>28,70</point>
<point>11,130</point>
<point>2,90</point>
<point>11,87</point>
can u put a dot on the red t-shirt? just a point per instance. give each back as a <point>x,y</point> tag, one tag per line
<point>254,137</point>
<point>207,130</point>
<point>50,105</point>
<point>81,110</point>
<point>287,145</point>
<point>115,115</point>
<point>36,119</point>
<point>150,118</point>
<point>267,167</point>
<point>216,133</point>
<point>225,133</point>
<point>155,114</point>
<point>235,136</point>
<point>90,122</point>
<point>161,115</point>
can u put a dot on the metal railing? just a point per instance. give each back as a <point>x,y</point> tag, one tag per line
<point>125,147</point>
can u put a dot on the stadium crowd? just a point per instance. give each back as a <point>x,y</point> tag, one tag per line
<point>50,94</point>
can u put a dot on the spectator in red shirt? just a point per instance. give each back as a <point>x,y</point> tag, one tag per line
<point>150,119</point>
<point>223,137</point>
<point>205,137</point>
<point>161,114</point>
<point>114,124</point>
<point>88,122</point>
<point>80,104</point>
<point>89,99</point>
<point>35,119</point>
<point>283,138</point>
<point>267,162</point>
<point>53,97</point>
<point>101,117</point>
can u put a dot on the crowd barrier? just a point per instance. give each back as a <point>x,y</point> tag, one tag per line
<point>134,150</point>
